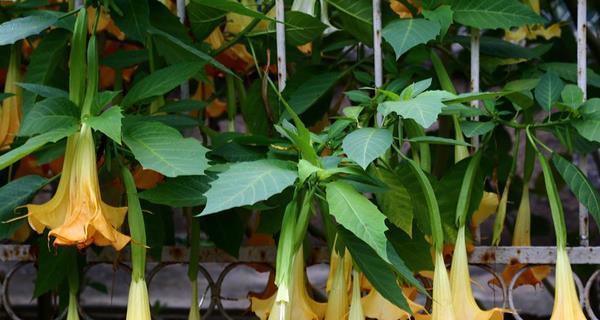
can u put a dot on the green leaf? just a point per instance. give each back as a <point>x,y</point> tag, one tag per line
<point>311,90</point>
<point>591,109</point>
<point>183,106</point>
<point>474,128</point>
<point>443,15</point>
<point>102,100</point>
<point>20,28</point>
<point>302,28</point>
<point>367,144</point>
<point>135,19</point>
<point>12,195</point>
<point>54,266</point>
<point>472,96</point>
<point>232,6</point>
<point>109,123</point>
<point>356,17</point>
<point>395,203</point>
<point>122,59</point>
<point>49,114</point>
<point>548,90</point>
<point>494,14</point>
<point>178,192</point>
<point>583,189</point>
<point>44,90</point>
<point>160,82</point>
<point>438,140</point>
<point>423,109</point>
<point>572,96</point>
<point>203,20</point>
<point>405,34</point>
<point>588,128</point>
<point>246,183</point>
<point>568,71</point>
<point>45,63</point>
<point>378,272</point>
<point>521,85</point>
<point>161,148</point>
<point>35,143</point>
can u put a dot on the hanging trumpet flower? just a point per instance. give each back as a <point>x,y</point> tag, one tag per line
<point>375,306</point>
<point>10,112</point>
<point>338,282</point>
<point>356,310</point>
<point>532,32</point>
<point>301,305</point>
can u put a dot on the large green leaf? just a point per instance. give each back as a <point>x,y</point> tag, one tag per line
<point>423,109</point>
<point>44,90</point>
<point>302,28</point>
<point>20,28</point>
<point>232,6</point>
<point>54,267</point>
<point>378,272</point>
<point>474,128</point>
<point>203,20</point>
<point>442,15</point>
<point>583,189</point>
<point>246,183</point>
<point>548,90</point>
<point>12,195</point>
<point>45,62</point>
<point>395,203</point>
<point>367,144</point>
<point>109,123</point>
<point>588,128</point>
<point>359,215</point>
<point>568,71</point>
<point>161,148</point>
<point>35,143</point>
<point>493,14</point>
<point>178,192</point>
<point>160,82</point>
<point>49,114</point>
<point>404,34</point>
<point>356,17</point>
<point>307,94</point>
<point>572,96</point>
<point>134,21</point>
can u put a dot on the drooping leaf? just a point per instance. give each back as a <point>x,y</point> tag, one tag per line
<point>160,82</point>
<point>378,272</point>
<point>234,7</point>
<point>588,128</point>
<point>12,195</point>
<point>356,17</point>
<point>367,144</point>
<point>423,109</point>
<point>582,188</point>
<point>404,34</point>
<point>225,230</point>
<point>568,71</point>
<point>474,128</point>
<point>161,148</point>
<point>20,28</point>
<point>395,203</point>
<point>178,192</point>
<point>548,90</point>
<point>35,143</point>
<point>54,266</point>
<point>44,90</point>
<point>135,19</point>
<point>45,62</point>
<point>203,20</point>
<point>442,15</point>
<point>307,94</point>
<point>109,123</point>
<point>246,183</point>
<point>493,14</point>
<point>49,114</point>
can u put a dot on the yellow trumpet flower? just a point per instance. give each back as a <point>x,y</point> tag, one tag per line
<point>532,32</point>
<point>10,112</point>
<point>356,310</point>
<point>301,306</point>
<point>375,306</point>
<point>338,282</point>
<point>464,303</point>
<point>138,304</point>
<point>76,215</point>
<point>487,207</point>
<point>443,308</point>
<point>566,301</point>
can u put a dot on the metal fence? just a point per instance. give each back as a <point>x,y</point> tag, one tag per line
<point>482,256</point>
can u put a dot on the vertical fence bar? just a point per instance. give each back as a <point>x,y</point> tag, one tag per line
<point>582,83</point>
<point>377,54</point>
<point>475,65</point>
<point>281,58</point>
<point>185,87</point>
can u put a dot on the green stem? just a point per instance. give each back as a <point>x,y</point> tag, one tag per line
<point>77,68</point>
<point>231,101</point>
<point>194,249</point>
<point>136,226</point>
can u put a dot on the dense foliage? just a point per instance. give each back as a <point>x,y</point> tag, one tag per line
<point>118,109</point>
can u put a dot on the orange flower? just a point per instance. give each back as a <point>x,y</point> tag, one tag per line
<point>235,57</point>
<point>401,10</point>
<point>146,178</point>
<point>76,215</point>
<point>10,113</point>
<point>105,22</point>
<point>204,92</point>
